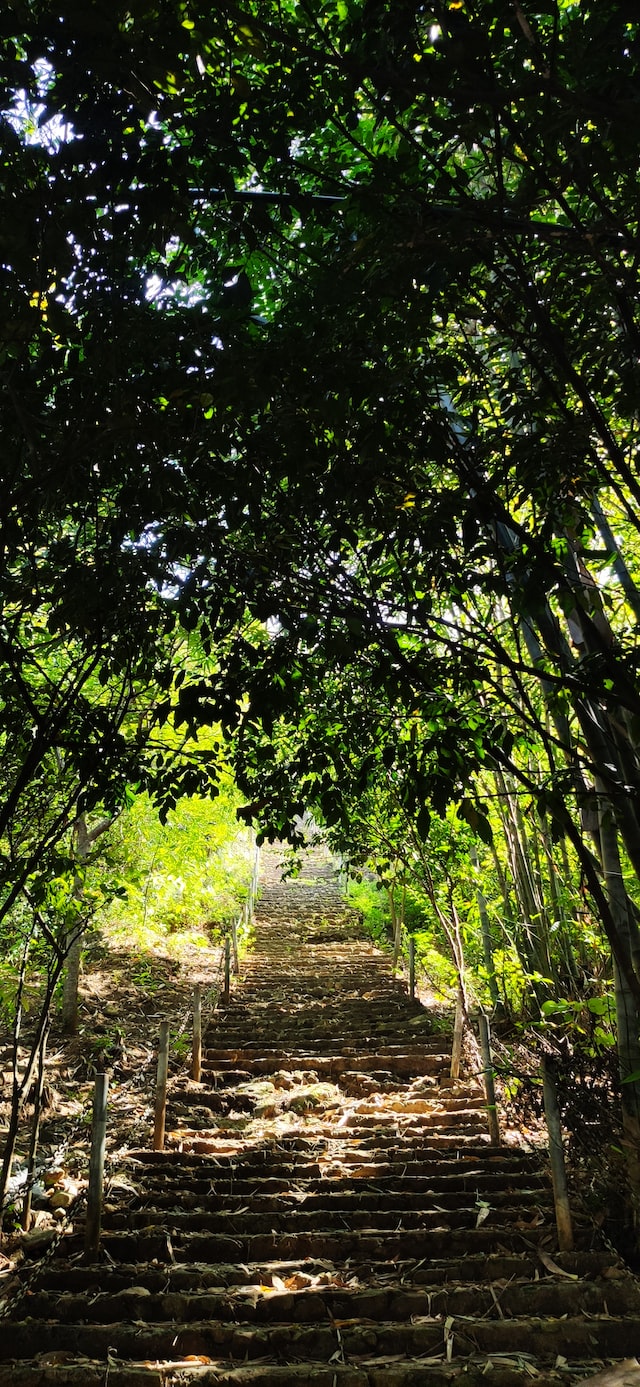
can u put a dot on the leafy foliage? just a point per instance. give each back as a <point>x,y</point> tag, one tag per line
<point>187,877</point>
<point>319,352</point>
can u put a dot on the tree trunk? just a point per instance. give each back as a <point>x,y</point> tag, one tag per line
<point>83,840</point>
<point>69,1011</point>
<point>485,929</point>
<point>73,942</point>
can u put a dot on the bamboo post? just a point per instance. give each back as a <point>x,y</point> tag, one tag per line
<point>161,1087</point>
<point>488,1076</point>
<point>227,970</point>
<point>456,1048</point>
<point>35,1132</point>
<point>196,1051</point>
<point>412,967</point>
<point>96,1166</point>
<point>556,1156</point>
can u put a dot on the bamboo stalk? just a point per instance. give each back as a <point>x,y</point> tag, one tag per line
<point>489,1079</point>
<point>412,968</point>
<point>196,1052</point>
<point>96,1166</point>
<point>556,1156</point>
<point>161,1087</point>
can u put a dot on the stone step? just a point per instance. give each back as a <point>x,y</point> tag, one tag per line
<point>574,1337</point>
<point>374,1371</point>
<point>335,1246</point>
<point>492,1268</point>
<point>330,1066</point>
<point>375,1056</point>
<point>414,1192</point>
<point>256,1304</point>
<point>370,1237</point>
<point>326,1219</point>
<point>423,1162</point>
<point>412,1126</point>
<point>217,1142</point>
<point>281,1199</point>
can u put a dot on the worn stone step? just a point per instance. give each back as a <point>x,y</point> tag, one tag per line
<point>255,1305</point>
<point>380,1067</point>
<point>469,1122</point>
<point>172,1181</point>
<point>573,1337</point>
<point>346,1201</point>
<point>326,1219</point>
<point>378,1241</point>
<point>374,1055</point>
<point>326,1046</point>
<point>246,1095</point>
<point>336,1246</point>
<point>347,1149</point>
<point>433,1272</point>
<point>421,1162</point>
<point>372,1372</point>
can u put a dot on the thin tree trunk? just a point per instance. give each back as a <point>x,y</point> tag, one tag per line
<point>619,566</point>
<point>71,981</point>
<point>73,942</point>
<point>485,930</point>
<point>627,1010</point>
<point>395,926</point>
<point>35,1132</point>
<point>83,840</point>
<point>21,1086</point>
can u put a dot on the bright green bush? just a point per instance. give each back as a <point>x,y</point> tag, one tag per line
<point>185,880</point>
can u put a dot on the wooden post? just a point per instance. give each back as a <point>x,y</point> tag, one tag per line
<point>412,967</point>
<point>227,970</point>
<point>556,1156</point>
<point>456,1048</point>
<point>196,1052</point>
<point>489,1083</point>
<point>96,1166</point>
<point>161,1087</point>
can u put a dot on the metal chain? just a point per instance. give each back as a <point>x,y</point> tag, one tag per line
<point>9,1304</point>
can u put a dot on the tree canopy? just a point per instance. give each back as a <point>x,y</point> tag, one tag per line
<point>319,353</point>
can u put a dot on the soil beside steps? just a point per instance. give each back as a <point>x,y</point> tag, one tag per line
<point>328,1209</point>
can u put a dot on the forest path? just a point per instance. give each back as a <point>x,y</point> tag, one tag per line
<point>328,1210</point>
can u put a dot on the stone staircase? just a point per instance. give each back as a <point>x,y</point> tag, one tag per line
<point>328,1209</point>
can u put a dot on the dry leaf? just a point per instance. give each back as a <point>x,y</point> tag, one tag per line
<point>379,1362</point>
<point>552,1266</point>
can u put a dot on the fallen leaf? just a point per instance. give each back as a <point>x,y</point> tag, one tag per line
<point>553,1267</point>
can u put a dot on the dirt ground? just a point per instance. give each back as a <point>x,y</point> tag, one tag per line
<point>124,995</point>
